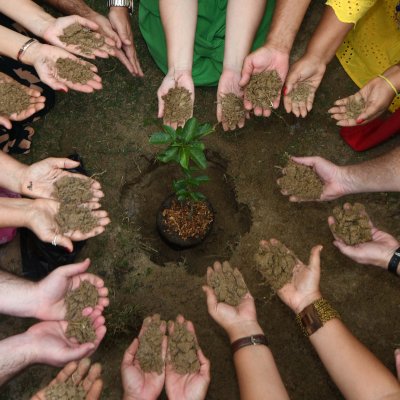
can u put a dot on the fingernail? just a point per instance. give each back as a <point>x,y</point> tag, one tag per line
<point>284,90</point>
<point>360,121</point>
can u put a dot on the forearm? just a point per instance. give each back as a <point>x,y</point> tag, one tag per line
<point>354,369</point>
<point>179,18</point>
<point>286,22</point>
<point>71,7</point>
<point>11,172</point>
<point>242,21</point>
<point>11,42</point>
<point>14,212</point>
<point>393,74</point>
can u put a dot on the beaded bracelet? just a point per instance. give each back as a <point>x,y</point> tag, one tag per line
<point>389,83</point>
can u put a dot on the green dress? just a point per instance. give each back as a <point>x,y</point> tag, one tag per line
<point>209,41</point>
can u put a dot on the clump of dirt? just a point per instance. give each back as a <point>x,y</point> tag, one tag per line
<point>183,350</point>
<point>73,71</point>
<point>263,88</point>
<point>77,300</point>
<point>65,391</point>
<point>149,352</point>
<point>13,99</point>
<point>228,284</point>
<point>355,107</point>
<point>232,109</point>
<point>70,189</point>
<point>84,38</point>
<point>301,181</point>
<point>178,105</point>
<point>275,263</point>
<point>188,219</point>
<point>75,218</point>
<point>300,93</point>
<point>352,224</point>
<point>81,329</point>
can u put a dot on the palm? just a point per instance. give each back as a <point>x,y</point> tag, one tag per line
<point>188,387</point>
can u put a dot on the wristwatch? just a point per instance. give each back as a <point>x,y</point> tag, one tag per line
<point>121,3</point>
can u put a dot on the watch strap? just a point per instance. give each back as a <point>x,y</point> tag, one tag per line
<point>121,3</point>
<point>252,340</point>
<point>394,262</point>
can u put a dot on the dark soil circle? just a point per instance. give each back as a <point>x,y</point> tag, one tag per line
<point>142,198</point>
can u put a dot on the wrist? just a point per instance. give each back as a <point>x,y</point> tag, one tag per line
<point>178,69</point>
<point>31,54</point>
<point>386,256</point>
<point>119,11</point>
<point>243,329</point>
<point>282,47</point>
<point>42,25</point>
<point>306,301</point>
<point>25,347</point>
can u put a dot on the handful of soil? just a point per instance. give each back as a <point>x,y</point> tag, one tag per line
<point>70,189</point>
<point>228,285</point>
<point>178,105</point>
<point>84,38</point>
<point>75,218</point>
<point>301,181</point>
<point>263,89</point>
<point>81,329</point>
<point>355,107</point>
<point>300,93</point>
<point>275,263</point>
<point>65,391</point>
<point>232,109</point>
<point>183,350</point>
<point>352,224</point>
<point>73,71</point>
<point>149,352</point>
<point>13,99</point>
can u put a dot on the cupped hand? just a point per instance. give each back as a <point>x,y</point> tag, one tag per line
<point>192,386</point>
<point>36,101</point>
<point>56,29</point>
<point>228,83</point>
<point>52,290</point>
<point>377,96</point>
<point>333,177</point>
<point>309,70</point>
<point>137,384</point>
<point>174,79</point>
<point>37,180</point>
<point>266,58</point>
<point>82,373</point>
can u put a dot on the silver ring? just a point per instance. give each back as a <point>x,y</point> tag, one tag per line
<point>54,241</point>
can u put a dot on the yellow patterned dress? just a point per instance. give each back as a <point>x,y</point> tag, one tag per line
<point>374,44</point>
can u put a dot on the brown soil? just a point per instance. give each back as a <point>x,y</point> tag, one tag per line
<point>84,38</point>
<point>178,105</point>
<point>149,352</point>
<point>352,224</point>
<point>73,71</point>
<point>300,93</point>
<point>13,99</point>
<point>301,181</point>
<point>81,329</point>
<point>183,350</point>
<point>228,284</point>
<point>355,107</point>
<point>233,110</point>
<point>275,263</point>
<point>65,391</point>
<point>75,218</point>
<point>73,190</point>
<point>263,88</point>
<point>77,300</point>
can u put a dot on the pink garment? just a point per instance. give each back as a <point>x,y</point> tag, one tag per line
<point>7,234</point>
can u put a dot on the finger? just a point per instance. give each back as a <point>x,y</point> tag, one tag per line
<point>80,351</point>
<point>91,376</point>
<point>180,319</point>
<point>258,111</point>
<point>95,391</point>
<point>310,101</point>
<point>74,269</point>
<point>5,122</point>
<point>212,301</point>
<point>81,371</point>
<point>87,23</point>
<point>124,60</point>
<point>217,266</point>
<point>145,325</point>
<point>65,242</point>
<point>309,161</point>
<point>130,353</point>
<point>247,70</point>
<point>160,106</point>
<point>204,364</point>
<point>314,261</point>
<point>164,347</point>
<point>66,372</point>
<point>247,104</point>
<point>267,112</point>
<point>397,358</point>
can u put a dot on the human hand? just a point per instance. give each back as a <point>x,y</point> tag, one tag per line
<point>190,386</point>
<point>40,218</point>
<point>239,321</point>
<point>121,24</point>
<point>377,95</point>
<point>37,180</point>
<point>377,252</point>
<point>309,70</point>
<point>265,58</point>
<point>43,58</point>
<point>228,83</point>
<point>137,384</point>
<point>52,290</point>
<point>35,98</point>
<point>89,376</point>
<point>303,289</point>
<point>334,178</point>
<point>171,80</point>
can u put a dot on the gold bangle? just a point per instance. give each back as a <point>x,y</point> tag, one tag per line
<point>389,83</point>
<point>24,47</point>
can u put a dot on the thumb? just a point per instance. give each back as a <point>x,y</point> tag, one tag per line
<point>5,122</point>
<point>64,163</point>
<point>247,70</point>
<point>315,261</point>
<point>212,301</point>
<point>87,23</point>
<point>75,354</point>
<point>65,242</point>
<point>291,80</point>
<point>75,269</point>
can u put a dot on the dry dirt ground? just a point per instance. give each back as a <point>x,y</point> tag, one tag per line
<point>110,129</point>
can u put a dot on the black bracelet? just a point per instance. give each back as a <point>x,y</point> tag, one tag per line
<point>248,341</point>
<point>394,262</point>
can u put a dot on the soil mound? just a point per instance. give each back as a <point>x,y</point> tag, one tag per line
<point>301,181</point>
<point>69,189</point>
<point>263,88</point>
<point>232,109</point>
<point>13,99</point>
<point>183,350</point>
<point>84,38</point>
<point>65,391</point>
<point>149,352</point>
<point>178,105</point>
<point>75,218</point>
<point>81,329</point>
<point>73,71</point>
<point>275,263</point>
<point>352,224</point>
<point>355,107</point>
<point>228,284</point>
<point>300,93</point>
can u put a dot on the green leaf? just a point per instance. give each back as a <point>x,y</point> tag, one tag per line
<point>197,145</point>
<point>202,179</point>
<point>197,196</point>
<point>184,157</point>
<point>198,157</point>
<point>204,130</point>
<point>179,184</point>
<point>170,131</point>
<point>160,138</point>
<point>171,154</point>
<point>179,132</point>
<point>190,129</point>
